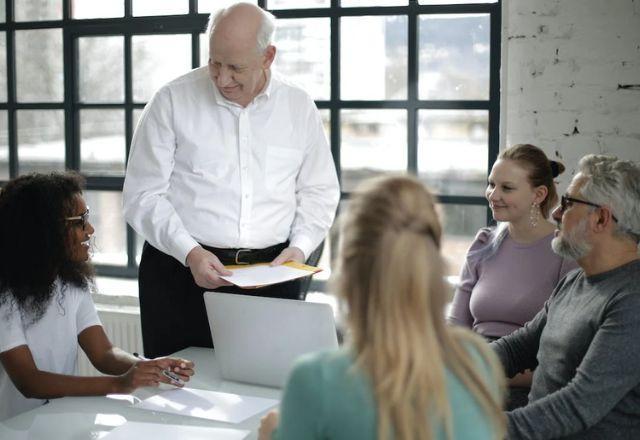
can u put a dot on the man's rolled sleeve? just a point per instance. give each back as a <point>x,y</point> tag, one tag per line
<point>304,244</point>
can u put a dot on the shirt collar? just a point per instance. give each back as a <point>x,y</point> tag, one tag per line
<point>263,95</point>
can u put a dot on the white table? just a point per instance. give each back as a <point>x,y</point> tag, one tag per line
<point>80,418</point>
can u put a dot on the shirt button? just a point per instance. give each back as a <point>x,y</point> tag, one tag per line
<point>246,196</point>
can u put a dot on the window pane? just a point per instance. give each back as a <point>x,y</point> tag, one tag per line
<point>373,142</point>
<point>160,7</point>
<point>36,10</point>
<point>3,11</point>
<point>4,146</point>
<point>40,140</point>
<point>454,56</point>
<point>461,223</point>
<point>39,73</point>
<point>453,150</point>
<point>298,4</point>
<point>213,5</point>
<point>3,67</point>
<point>137,112</point>
<point>110,239</point>
<point>102,143</point>
<point>373,57</point>
<point>374,2</point>
<point>204,49</point>
<point>157,59</point>
<point>101,69</point>
<point>97,9</point>
<point>303,54</point>
<point>139,244</point>
<point>325,114</point>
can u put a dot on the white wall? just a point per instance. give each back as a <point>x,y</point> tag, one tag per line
<point>565,65</point>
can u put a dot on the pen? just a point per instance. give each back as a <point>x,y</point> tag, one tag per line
<point>167,373</point>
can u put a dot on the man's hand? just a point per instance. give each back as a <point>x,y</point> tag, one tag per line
<point>288,254</point>
<point>206,268</point>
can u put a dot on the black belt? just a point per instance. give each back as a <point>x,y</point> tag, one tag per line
<point>247,256</point>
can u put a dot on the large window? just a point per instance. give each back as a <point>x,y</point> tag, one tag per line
<point>402,85</point>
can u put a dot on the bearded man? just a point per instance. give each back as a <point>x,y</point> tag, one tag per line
<point>584,343</point>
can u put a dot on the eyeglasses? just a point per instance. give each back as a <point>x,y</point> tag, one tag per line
<point>566,202</point>
<point>81,219</point>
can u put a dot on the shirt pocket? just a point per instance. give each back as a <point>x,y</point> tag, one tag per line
<point>217,171</point>
<point>282,167</point>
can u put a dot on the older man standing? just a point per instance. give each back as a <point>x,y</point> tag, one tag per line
<point>584,342</point>
<point>229,164</point>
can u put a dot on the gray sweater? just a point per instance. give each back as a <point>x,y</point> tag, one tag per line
<point>585,343</point>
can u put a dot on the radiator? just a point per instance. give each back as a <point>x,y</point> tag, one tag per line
<point>123,330</point>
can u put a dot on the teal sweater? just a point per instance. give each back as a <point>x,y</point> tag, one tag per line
<point>325,398</point>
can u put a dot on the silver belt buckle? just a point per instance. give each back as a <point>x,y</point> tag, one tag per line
<point>238,252</point>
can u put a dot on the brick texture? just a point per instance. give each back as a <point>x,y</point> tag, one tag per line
<point>571,77</point>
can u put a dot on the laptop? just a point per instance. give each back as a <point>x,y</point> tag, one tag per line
<point>257,339</point>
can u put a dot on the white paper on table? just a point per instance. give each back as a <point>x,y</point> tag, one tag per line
<point>212,405</point>
<point>253,275</point>
<point>70,425</point>
<point>156,431</point>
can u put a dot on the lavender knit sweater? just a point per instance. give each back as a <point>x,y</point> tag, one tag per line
<point>497,295</point>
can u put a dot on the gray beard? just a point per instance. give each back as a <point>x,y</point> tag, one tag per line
<point>572,245</point>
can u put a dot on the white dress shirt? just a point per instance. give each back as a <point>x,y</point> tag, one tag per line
<point>205,170</point>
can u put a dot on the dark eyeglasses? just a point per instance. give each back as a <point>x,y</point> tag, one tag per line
<point>566,202</point>
<point>81,219</point>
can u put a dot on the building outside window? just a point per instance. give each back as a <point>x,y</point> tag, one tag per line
<point>403,86</point>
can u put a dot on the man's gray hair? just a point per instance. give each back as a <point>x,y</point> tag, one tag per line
<point>615,183</point>
<point>265,32</point>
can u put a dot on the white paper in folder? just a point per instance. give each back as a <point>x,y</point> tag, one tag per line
<point>261,274</point>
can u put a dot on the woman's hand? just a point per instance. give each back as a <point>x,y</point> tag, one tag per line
<point>149,373</point>
<point>141,374</point>
<point>183,368</point>
<point>267,425</point>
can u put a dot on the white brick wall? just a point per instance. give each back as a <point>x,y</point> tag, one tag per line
<point>563,63</point>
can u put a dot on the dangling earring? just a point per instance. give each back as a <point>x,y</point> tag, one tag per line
<point>534,214</point>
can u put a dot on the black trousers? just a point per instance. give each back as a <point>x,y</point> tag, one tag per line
<point>172,308</point>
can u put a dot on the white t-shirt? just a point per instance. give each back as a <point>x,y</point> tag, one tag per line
<point>52,340</point>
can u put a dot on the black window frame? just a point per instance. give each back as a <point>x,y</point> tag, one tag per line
<point>194,23</point>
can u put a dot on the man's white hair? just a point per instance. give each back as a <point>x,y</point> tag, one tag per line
<point>265,32</point>
<point>615,183</point>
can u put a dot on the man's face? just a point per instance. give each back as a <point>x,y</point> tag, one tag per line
<point>237,69</point>
<point>572,235</point>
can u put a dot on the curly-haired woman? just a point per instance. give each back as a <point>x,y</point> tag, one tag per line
<point>46,309</point>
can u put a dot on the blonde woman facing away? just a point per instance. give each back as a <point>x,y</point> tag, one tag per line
<point>404,374</point>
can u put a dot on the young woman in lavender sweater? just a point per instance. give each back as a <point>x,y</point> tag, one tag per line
<point>511,270</point>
